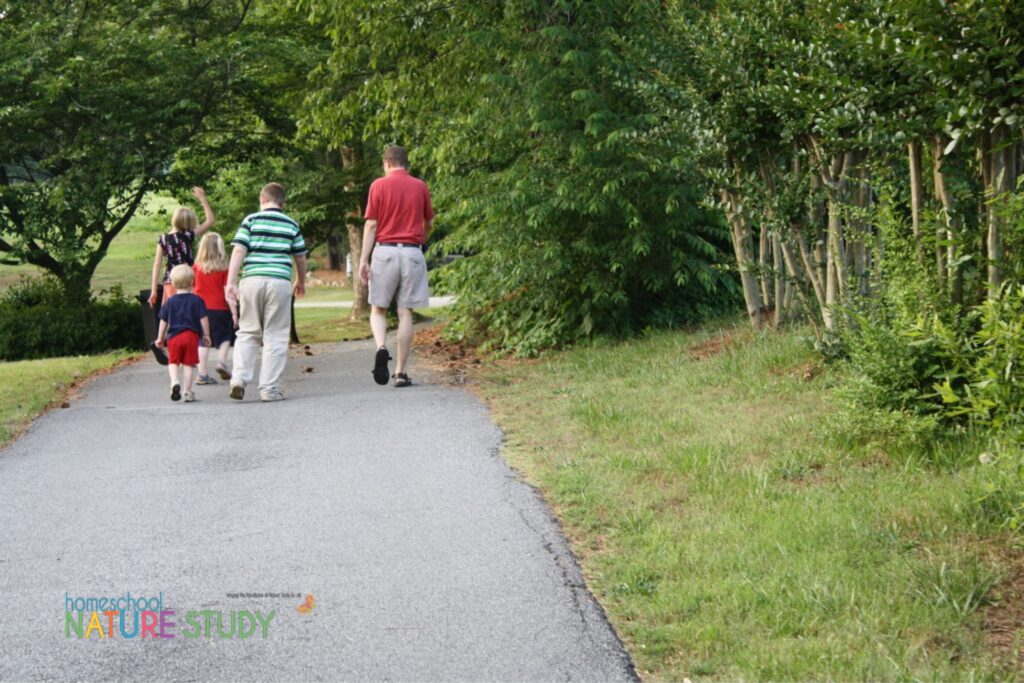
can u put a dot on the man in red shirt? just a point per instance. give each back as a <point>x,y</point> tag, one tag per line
<point>398,219</point>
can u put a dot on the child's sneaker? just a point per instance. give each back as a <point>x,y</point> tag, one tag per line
<point>189,397</point>
<point>175,392</point>
<point>205,379</point>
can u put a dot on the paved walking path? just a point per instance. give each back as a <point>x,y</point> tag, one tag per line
<point>427,558</point>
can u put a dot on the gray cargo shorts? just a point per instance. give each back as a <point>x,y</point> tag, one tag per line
<point>400,271</point>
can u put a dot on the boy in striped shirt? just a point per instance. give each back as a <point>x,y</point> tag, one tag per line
<point>264,247</point>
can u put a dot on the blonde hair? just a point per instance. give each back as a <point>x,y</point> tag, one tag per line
<point>184,219</point>
<point>211,257</point>
<point>182,277</point>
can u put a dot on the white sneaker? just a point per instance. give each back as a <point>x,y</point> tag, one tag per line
<point>271,396</point>
<point>189,397</point>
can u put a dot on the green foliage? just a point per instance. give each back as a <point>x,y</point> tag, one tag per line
<point>37,320</point>
<point>553,165</point>
<point>102,102</point>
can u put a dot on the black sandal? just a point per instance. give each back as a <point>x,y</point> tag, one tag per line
<point>402,380</point>
<point>380,366</point>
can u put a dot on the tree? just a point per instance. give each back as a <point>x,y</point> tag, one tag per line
<point>98,100</point>
<point>533,122</point>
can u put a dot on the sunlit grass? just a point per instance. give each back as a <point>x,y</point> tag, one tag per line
<point>31,385</point>
<point>725,537</point>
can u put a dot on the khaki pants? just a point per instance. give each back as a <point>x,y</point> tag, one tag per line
<point>264,314</point>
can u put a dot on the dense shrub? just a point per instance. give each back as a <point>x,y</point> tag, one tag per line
<point>37,322</point>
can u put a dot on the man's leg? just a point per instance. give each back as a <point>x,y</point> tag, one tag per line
<point>379,325</point>
<point>277,324</point>
<point>404,338</point>
<point>250,331</point>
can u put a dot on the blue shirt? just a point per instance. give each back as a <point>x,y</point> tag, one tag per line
<point>183,311</point>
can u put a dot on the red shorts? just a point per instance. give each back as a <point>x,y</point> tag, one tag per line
<point>183,348</point>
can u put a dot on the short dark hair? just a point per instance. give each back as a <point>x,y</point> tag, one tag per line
<point>273,192</point>
<point>396,156</point>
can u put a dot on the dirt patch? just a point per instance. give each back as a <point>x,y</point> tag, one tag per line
<point>328,278</point>
<point>450,362</point>
<point>1004,620</point>
<point>710,348</point>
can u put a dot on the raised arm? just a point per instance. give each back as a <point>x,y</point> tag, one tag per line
<point>208,218</point>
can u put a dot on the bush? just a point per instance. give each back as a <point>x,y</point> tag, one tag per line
<point>37,322</point>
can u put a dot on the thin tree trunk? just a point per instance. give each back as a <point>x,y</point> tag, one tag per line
<point>764,252</point>
<point>780,282</point>
<point>334,254</point>
<point>794,272</point>
<point>997,176</point>
<point>947,263</point>
<point>350,158</point>
<point>743,246</point>
<point>812,270</point>
<point>916,195</point>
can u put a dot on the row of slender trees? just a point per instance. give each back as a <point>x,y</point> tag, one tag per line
<point>821,121</point>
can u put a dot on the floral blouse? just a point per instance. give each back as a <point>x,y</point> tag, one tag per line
<point>177,248</point>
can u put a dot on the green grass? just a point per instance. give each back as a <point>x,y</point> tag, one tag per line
<point>324,325</point>
<point>32,385</point>
<point>318,325</point>
<point>318,295</point>
<point>129,260</point>
<point>727,539</point>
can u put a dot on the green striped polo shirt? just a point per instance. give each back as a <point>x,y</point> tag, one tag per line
<point>272,238</point>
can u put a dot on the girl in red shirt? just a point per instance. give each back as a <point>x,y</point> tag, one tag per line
<point>211,268</point>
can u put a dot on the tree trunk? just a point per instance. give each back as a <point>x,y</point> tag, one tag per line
<point>77,282</point>
<point>350,158</point>
<point>780,282</point>
<point>764,249</point>
<point>947,263</point>
<point>334,253</point>
<point>743,245</point>
<point>998,183</point>
<point>916,195</point>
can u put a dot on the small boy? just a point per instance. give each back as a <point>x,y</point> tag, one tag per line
<point>182,319</point>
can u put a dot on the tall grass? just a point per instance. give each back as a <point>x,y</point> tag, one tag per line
<point>726,536</point>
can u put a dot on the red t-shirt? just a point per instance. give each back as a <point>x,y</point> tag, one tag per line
<point>400,204</point>
<point>210,288</point>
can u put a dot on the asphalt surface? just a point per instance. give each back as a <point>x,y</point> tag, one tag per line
<point>426,556</point>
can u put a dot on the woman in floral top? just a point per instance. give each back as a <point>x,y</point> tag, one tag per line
<point>175,248</point>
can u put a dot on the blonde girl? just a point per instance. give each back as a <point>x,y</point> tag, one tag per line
<point>211,269</point>
<point>175,248</point>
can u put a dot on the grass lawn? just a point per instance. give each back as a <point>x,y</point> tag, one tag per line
<point>129,261</point>
<point>317,325</point>
<point>32,385</point>
<point>725,537</point>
